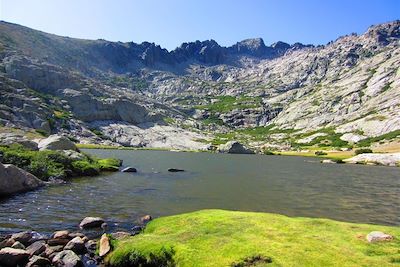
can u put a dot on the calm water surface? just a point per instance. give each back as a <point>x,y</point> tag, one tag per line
<point>293,186</point>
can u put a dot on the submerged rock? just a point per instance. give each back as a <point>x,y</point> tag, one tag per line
<point>377,236</point>
<point>129,169</point>
<point>145,219</point>
<point>14,180</point>
<point>91,222</point>
<point>234,147</point>
<point>175,170</point>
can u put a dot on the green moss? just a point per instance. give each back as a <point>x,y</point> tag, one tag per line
<point>46,164</point>
<point>232,238</point>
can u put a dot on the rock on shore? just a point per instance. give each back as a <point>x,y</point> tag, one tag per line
<point>14,180</point>
<point>234,147</point>
<point>387,159</point>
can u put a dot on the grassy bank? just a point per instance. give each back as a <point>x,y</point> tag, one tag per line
<point>48,163</point>
<point>230,238</point>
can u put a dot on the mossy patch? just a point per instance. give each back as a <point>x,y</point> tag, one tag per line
<point>225,238</point>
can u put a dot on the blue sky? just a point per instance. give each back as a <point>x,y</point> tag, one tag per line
<point>171,22</point>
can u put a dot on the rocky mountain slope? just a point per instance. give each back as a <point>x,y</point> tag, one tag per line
<point>141,95</point>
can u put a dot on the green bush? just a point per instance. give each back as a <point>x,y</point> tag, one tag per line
<point>320,153</point>
<point>109,164</point>
<point>362,151</point>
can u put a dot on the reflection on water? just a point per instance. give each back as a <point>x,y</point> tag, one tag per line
<point>293,186</point>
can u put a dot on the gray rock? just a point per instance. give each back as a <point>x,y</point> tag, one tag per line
<point>327,161</point>
<point>91,222</point>
<point>234,147</point>
<point>56,142</point>
<point>377,236</point>
<point>14,180</point>
<point>8,242</point>
<point>36,248</point>
<point>67,258</point>
<point>129,169</point>
<point>23,237</point>
<point>58,241</point>
<point>76,245</point>
<point>13,257</point>
<point>10,138</point>
<point>18,245</point>
<point>37,261</point>
<point>387,159</point>
<point>61,234</point>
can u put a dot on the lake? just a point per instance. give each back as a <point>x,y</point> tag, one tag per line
<point>293,186</point>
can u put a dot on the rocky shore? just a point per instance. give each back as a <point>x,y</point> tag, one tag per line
<point>63,247</point>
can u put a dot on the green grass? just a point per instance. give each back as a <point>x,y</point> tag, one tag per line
<point>232,238</point>
<point>225,104</point>
<point>370,140</point>
<point>48,163</point>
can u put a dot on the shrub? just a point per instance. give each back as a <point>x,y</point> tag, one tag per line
<point>268,152</point>
<point>320,153</point>
<point>362,151</point>
<point>109,164</point>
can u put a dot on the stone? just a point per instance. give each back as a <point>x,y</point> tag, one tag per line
<point>137,229</point>
<point>23,237</point>
<point>104,245</point>
<point>56,142</point>
<point>36,248</point>
<point>10,138</point>
<point>145,219</point>
<point>52,250</point>
<point>13,257</point>
<point>386,159</point>
<point>61,234</point>
<point>91,245</point>
<point>129,169</point>
<point>377,236</point>
<point>234,147</point>
<point>72,235</point>
<point>18,245</point>
<point>58,241</point>
<point>91,222</point>
<point>15,180</point>
<point>67,258</point>
<point>175,170</point>
<point>120,235</point>
<point>327,161</point>
<point>76,245</point>
<point>8,242</point>
<point>37,261</point>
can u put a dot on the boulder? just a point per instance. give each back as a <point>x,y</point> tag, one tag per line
<point>8,242</point>
<point>56,142</point>
<point>145,219</point>
<point>175,170</point>
<point>10,138</point>
<point>91,222</point>
<point>387,159</point>
<point>377,236</point>
<point>234,147</point>
<point>58,241</point>
<point>129,169</point>
<point>327,161</point>
<point>61,234</point>
<point>104,245</point>
<point>14,180</point>
<point>76,245</point>
<point>67,258</point>
<point>91,245</point>
<point>13,257</point>
<point>37,261</point>
<point>23,237</point>
<point>36,248</point>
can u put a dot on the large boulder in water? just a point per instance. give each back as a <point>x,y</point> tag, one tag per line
<point>56,142</point>
<point>15,180</point>
<point>234,147</point>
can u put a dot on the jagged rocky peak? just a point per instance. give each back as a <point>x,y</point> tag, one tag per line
<point>384,33</point>
<point>208,52</point>
<point>254,47</point>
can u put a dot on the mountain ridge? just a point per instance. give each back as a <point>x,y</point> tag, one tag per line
<point>349,86</point>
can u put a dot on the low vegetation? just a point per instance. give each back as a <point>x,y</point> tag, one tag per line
<point>56,164</point>
<point>362,151</point>
<point>369,141</point>
<point>232,238</point>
